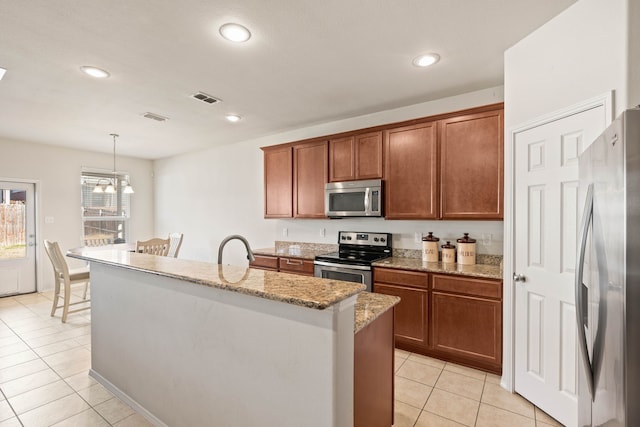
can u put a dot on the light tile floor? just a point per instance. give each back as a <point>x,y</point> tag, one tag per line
<point>44,367</point>
<point>44,380</point>
<point>430,392</point>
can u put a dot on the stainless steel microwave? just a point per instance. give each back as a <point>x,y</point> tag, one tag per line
<point>353,198</point>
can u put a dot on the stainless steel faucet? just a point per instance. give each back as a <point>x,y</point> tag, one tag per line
<point>250,256</point>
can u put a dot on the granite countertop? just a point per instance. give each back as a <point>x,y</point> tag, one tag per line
<point>369,306</point>
<point>486,271</point>
<point>304,291</point>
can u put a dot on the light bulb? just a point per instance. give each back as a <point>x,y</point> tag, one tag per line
<point>235,32</point>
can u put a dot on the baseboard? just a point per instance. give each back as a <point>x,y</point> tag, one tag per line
<point>126,399</point>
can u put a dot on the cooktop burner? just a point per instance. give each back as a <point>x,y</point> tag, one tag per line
<point>356,248</point>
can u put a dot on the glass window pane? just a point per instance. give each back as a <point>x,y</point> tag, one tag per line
<point>347,202</point>
<point>104,232</point>
<point>105,215</point>
<point>13,220</point>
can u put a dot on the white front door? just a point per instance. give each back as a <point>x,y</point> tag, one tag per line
<point>17,238</point>
<point>546,216</point>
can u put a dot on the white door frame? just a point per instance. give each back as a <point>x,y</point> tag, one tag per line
<point>38,225</point>
<point>508,305</point>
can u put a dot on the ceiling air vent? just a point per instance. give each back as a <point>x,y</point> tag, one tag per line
<point>205,98</point>
<point>156,117</point>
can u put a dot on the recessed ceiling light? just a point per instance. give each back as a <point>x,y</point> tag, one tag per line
<point>94,72</point>
<point>235,32</point>
<point>426,60</point>
<point>233,118</point>
<point>2,71</point>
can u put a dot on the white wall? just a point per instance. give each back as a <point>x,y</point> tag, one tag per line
<point>210,194</point>
<point>580,54</point>
<point>57,173</point>
<point>633,51</point>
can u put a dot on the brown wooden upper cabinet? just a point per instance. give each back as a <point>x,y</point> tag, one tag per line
<point>471,161</point>
<point>278,182</point>
<point>411,172</point>
<point>310,174</point>
<point>355,157</point>
<point>441,167</point>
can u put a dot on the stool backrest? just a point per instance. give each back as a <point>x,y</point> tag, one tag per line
<point>175,241</point>
<point>155,246</point>
<point>60,267</point>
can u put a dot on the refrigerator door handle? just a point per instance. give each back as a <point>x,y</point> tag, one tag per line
<point>579,288</point>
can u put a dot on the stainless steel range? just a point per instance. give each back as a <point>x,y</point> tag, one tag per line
<point>356,252</point>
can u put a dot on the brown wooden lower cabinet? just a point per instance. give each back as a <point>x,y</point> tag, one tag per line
<point>468,328</point>
<point>283,264</point>
<point>296,265</point>
<point>450,317</point>
<point>373,373</point>
<point>265,262</point>
<point>411,314</point>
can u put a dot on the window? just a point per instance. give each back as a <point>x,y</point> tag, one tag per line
<point>105,216</point>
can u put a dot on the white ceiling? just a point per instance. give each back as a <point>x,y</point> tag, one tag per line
<point>308,62</point>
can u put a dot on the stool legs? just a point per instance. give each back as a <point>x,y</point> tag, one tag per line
<point>65,307</point>
<point>56,297</point>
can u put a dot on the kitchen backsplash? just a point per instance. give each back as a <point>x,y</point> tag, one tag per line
<point>292,247</point>
<point>295,248</point>
<point>406,234</point>
<point>480,258</point>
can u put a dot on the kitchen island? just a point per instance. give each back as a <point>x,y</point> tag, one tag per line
<point>194,343</point>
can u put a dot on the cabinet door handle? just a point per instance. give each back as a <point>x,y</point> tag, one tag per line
<point>296,262</point>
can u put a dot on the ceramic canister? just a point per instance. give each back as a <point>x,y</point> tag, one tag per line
<point>466,250</point>
<point>430,248</point>
<point>448,253</point>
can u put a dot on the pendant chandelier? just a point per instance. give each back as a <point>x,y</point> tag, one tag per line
<point>113,185</point>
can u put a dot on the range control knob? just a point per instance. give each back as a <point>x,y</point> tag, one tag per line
<point>348,237</point>
<point>382,239</point>
<point>375,239</point>
<point>343,238</point>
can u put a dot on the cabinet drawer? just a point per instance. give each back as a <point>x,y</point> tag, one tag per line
<point>401,277</point>
<point>265,262</point>
<point>468,286</point>
<point>296,265</point>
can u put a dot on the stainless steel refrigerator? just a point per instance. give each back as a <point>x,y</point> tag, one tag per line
<point>608,277</point>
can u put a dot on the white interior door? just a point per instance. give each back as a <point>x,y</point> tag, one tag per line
<point>17,238</point>
<point>546,216</point>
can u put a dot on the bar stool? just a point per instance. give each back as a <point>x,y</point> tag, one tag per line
<point>155,246</point>
<point>175,241</point>
<point>64,276</point>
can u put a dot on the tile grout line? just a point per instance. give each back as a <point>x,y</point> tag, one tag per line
<point>12,409</point>
<point>484,384</point>
<point>428,397</point>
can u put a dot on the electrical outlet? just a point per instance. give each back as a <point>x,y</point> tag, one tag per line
<point>322,232</point>
<point>417,237</point>
<point>285,232</point>
<point>48,220</point>
<point>486,239</point>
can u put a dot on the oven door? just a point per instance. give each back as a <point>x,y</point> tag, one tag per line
<point>355,273</point>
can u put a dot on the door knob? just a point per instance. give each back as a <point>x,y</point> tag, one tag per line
<point>519,277</point>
